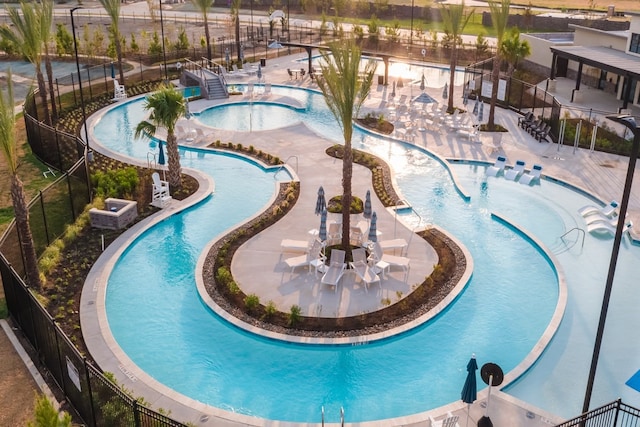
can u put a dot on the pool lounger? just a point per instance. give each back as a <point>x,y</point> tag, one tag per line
<point>607,211</point>
<point>513,173</point>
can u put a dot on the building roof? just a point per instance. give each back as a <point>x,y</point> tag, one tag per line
<point>605,58</point>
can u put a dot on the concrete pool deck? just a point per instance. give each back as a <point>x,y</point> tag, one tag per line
<point>598,173</point>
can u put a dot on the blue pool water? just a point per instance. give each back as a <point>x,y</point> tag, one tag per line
<point>500,315</point>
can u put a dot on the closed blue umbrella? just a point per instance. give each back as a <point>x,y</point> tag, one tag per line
<point>470,389</point>
<point>367,206</point>
<point>321,203</point>
<point>481,112</point>
<point>445,91</point>
<point>187,113</point>
<point>322,234</point>
<point>227,58</point>
<point>259,73</point>
<point>373,233</point>
<point>422,83</point>
<point>161,159</point>
<point>393,91</point>
<point>113,71</point>
<point>475,106</point>
<point>241,53</point>
<point>465,98</point>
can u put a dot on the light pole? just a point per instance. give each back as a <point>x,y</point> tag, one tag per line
<point>88,154</point>
<point>629,122</point>
<point>164,53</point>
<point>411,33</point>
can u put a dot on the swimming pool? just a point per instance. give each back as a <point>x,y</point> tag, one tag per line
<point>237,371</point>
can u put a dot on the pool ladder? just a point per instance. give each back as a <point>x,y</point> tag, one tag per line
<point>341,416</point>
<point>283,166</point>
<point>404,203</point>
<point>579,230</point>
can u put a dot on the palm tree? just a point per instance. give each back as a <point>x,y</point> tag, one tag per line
<point>455,21</point>
<point>45,8</point>
<point>345,89</point>
<point>167,105</point>
<point>499,18</point>
<point>113,10</point>
<point>235,13</point>
<point>9,146</point>
<point>513,49</point>
<point>203,6</point>
<point>27,36</point>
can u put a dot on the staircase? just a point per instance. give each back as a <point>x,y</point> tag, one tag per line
<point>215,89</point>
<point>212,83</point>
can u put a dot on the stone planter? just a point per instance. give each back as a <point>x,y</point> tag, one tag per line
<point>117,214</point>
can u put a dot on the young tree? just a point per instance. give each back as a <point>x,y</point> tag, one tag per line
<point>345,89</point>
<point>455,21</point>
<point>27,36</point>
<point>45,10</point>
<point>513,49</point>
<point>46,415</point>
<point>9,148</point>
<point>64,41</point>
<point>167,105</point>
<point>112,7</point>
<point>203,6</point>
<point>499,18</point>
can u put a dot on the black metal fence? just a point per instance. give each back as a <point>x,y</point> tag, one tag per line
<point>614,414</point>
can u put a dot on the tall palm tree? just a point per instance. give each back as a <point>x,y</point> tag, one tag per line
<point>235,13</point>
<point>513,49</point>
<point>203,6</point>
<point>27,36</point>
<point>112,7</point>
<point>499,18</point>
<point>455,21</point>
<point>167,105</point>
<point>45,9</point>
<point>9,146</point>
<point>345,89</point>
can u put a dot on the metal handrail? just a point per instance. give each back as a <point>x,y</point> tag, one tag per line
<point>584,234</point>
<point>342,416</point>
<point>284,165</point>
<point>151,159</point>
<point>323,416</point>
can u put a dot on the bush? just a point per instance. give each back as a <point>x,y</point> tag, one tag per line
<point>251,302</point>
<point>294,315</point>
<point>120,183</point>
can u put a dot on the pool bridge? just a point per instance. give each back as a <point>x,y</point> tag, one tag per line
<point>208,75</point>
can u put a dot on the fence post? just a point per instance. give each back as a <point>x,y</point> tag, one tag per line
<point>44,217</point>
<point>136,414</point>
<point>88,377</point>
<point>58,91</point>
<point>73,211</point>
<point>73,89</point>
<point>89,84</point>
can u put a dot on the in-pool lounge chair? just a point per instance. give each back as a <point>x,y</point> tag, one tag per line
<point>362,269</point>
<point>449,421</point>
<point>529,177</point>
<point>309,259</point>
<point>609,211</point>
<point>335,270</point>
<point>607,227</point>
<point>498,166</point>
<point>513,173</point>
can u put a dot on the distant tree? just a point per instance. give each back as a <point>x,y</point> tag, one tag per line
<point>64,41</point>
<point>513,49</point>
<point>455,21</point>
<point>499,18</point>
<point>203,6</point>
<point>112,7</point>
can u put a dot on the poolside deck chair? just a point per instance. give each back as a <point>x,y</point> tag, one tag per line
<point>357,233</point>
<point>609,211</point>
<point>529,177</point>
<point>607,227</point>
<point>249,92</point>
<point>515,172</point>
<point>293,246</point>
<point>334,233</point>
<point>449,421</point>
<point>335,270</point>
<point>528,117</point>
<point>267,90</point>
<point>290,73</point>
<point>200,135</point>
<point>383,261</point>
<point>309,259</point>
<point>498,166</point>
<point>393,245</point>
<point>542,133</point>
<point>160,191</point>
<point>362,269</point>
<point>533,125</point>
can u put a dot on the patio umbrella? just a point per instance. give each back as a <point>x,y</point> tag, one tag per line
<point>367,205</point>
<point>259,72</point>
<point>242,53</point>
<point>275,45</point>
<point>422,83</point>
<point>470,388</point>
<point>161,159</point>
<point>476,106</point>
<point>321,204</point>
<point>445,91</point>
<point>113,71</point>
<point>493,376</point>
<point>393,90</point>
<point>373,233</point>
<point>227,58</point>
<point>481,112</point>
<point>322,234</point>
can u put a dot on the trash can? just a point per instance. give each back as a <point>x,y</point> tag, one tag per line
<point>380,80</point>
<point>263,62</point>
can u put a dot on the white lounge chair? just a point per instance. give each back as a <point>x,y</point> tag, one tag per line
<point>498,166</point>
<point>358,233</point>
<point>529,177</point>
<point>160,191</point>
<point>607,227</point>
<point>383,261</point>
<point>595,217</point>
<point>249,93</point>
<point>293,246</point>
<point>335,270</point>
<point>393,245</point>
<point>307,260</point>
<point>609,211</point>
<point>363,271</point>
<point>449,421</point>
<point>334,234</point>
<point>513,173</point>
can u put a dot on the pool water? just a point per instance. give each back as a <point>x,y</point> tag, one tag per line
<point>500,315</point>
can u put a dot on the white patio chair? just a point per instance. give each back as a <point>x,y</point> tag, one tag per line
<point>529,177</point>
<point>362,269</point>
<point>335,270</point>
<point>449,421</point>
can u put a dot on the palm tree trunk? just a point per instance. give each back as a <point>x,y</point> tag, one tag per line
<point>24,231</point>
<point>347,173</point>
<point>119,54</point>
<point>52,92</point>
<point>42,88</point>
<point>207,35</point>
<point>175,170</point>
<point>452,72</point>
<point>238,36</point>
<point>495,80</point>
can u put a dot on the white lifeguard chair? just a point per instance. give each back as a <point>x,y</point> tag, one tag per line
<point>119,92</point>
<point>160,196</point>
